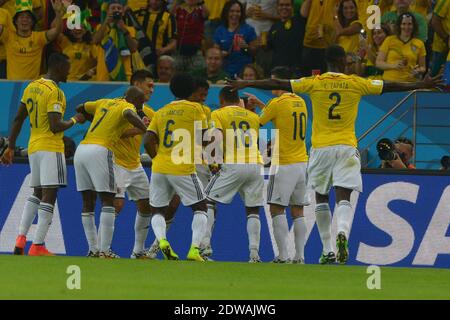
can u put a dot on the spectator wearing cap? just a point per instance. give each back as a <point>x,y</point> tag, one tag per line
<point>24,47</point>
<point>236,39</point>
<point>77,45</point>
<point>213,71</point>
<point>285,38</point>
<point>116,44</point>
<point>10,6</point>
<point>190,16</point>
<point>403,6</point>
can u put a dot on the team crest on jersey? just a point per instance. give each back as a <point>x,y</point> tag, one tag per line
<point>413,48</point>
<point>377,82</point>
<point>57,107</point>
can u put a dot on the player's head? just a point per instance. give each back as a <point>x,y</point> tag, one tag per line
<point>335,58</point>
<point>280,73</point>
<point>135,96</point>
<point>58,67</point>
<point>201,91</point>
<point>182,85</point>
<point>143,79</point>
<point>228,96</point>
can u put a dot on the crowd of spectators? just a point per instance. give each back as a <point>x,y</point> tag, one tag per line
<point>219,39</point>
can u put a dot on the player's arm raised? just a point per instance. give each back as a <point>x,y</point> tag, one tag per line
<point>57,124</point>
<point>428,82</point>
<point>266,84</point>
<point>21,115</point>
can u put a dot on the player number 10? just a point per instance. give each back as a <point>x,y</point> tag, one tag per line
<point>301,120</point>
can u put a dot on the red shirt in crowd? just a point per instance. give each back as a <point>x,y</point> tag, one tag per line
<point>190,26</point>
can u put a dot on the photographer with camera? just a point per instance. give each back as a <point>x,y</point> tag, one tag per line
<point>397,154</point>
<point>115,39</point>
<point>445,163</point>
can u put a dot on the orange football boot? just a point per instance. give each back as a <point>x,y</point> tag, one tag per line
<point>39,250</point>
<point>21,241</point>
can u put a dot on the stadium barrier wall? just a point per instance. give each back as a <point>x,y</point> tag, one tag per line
<point>371,109</point>
<point>400,220</point>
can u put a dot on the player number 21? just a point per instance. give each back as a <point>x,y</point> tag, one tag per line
<point>33,105</point>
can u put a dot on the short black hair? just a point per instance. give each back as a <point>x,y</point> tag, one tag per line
<point>182,85</point>
<point>57,60</point>
<point>334,54</point>
<point>404,140</point>
<point>201,83</point>
<point>229,94</point>
<point>140,76</point>
<point>282,72</point>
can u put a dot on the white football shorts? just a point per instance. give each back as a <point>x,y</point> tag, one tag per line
<point>334,166</point>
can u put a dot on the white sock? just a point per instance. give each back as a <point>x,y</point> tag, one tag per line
<point>344,214</point>
<point>90,230</point>
<point>168,224</point>
<point>159,226</point>
<point>141,226</point>
<point>29,213</point>
<point>206,242</point>
<point>199,223</point>
<point>300,237</point>
<point>323,219</point>
<point>45,215</point>
<point>253,231</point>
<point>107,219</point>
<point>281,231</point>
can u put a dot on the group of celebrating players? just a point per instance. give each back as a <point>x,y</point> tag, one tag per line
<point>107,161</point>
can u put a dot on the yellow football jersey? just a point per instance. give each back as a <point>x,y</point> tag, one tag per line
<point>240,128</point>
<point>442,10</point>
<point>6,23</point>
<point>396,50</point>
<point>26,54</point>
<point>108,123</point>
<point>320,17</point>
<point>289,116</point>
<point>175,125</point>
<point>335,98</point>
<point>41,97</point>
<point>82,57</point>
<point>127,150</point>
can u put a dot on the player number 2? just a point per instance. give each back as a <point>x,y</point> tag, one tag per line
<point>168,142</point>
<point>33,105</point>
<point>301,120</point>
<point>332,116</point>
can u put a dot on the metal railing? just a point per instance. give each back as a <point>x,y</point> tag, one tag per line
<point>413,126</point>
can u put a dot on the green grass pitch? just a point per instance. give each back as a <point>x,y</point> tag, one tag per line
<point>46,278</point>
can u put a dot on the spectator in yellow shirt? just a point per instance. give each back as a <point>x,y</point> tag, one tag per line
<point>6,24</point>
<point>378,35</point>
<point>402,56</point>
<point>441,26</point>
<point>77,45</point>
<point>348,27</point>
<point>24,47</point>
